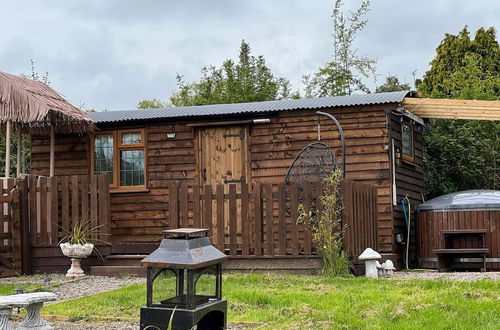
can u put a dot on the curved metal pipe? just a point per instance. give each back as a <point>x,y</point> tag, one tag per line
<point>342,137</point>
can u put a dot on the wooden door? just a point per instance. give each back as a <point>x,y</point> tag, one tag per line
<point>223,155</point>
<point>223,161</point>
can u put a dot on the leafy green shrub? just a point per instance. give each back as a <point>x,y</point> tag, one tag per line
<point>326,228</point>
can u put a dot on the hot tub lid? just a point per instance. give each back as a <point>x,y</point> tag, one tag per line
<point>464,200</point>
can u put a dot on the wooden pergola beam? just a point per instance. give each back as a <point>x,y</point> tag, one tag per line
<point>453,109</point>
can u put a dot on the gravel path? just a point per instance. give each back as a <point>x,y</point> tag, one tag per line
<point>459,276</point>
<point>92,285</point>
<point>66,288</point>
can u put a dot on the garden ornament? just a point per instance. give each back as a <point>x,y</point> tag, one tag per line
<point>370,257</point>
<point>389,268</point>
<point>380,268</point>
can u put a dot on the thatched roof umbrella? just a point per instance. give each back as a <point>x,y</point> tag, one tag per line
<point>36,108</point>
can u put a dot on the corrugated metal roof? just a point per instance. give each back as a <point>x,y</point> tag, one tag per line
<point>243,108</point>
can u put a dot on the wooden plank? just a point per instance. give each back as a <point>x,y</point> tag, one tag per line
<point>207,208</point>
<point>3,204</point>
<point>269,220</point>
<point>85,198</point>
<point>196,207</point>
<point>220,218</point>
<point>106,200</point>
<point>282,218</point>
<point>75,202</point>
<point>65,215</point>
<point>257,218</point>
<point>25,250</point>
<point>294,204</point>
<point>245,235</point>
<point>103,185</point>
<point>43,210</point>
<point>15,231</point>
<point>233,230</point>
<point>173,193</point>
<point>54,210</point>
<point>307,209</point>
<point>183,206</point>
<point>93,203</point>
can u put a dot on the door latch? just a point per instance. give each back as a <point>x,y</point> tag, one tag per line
<point>241,135</point>
<point>241,180</point>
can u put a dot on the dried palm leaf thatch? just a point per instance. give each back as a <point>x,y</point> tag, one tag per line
<point>35,107</point>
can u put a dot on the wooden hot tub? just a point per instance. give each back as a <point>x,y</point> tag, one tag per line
<point>463,226</point>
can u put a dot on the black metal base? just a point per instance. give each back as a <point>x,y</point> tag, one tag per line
<point>208,316</point>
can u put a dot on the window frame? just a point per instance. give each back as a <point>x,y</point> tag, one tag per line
<point>407,158</point>
<point>118,146</point>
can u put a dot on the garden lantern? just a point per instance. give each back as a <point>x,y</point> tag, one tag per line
<point>187,254</point>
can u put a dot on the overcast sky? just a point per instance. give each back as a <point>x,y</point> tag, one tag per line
<point>111,54</point>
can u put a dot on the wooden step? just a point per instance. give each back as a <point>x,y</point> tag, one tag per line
<point>118,271</point>
<point>124,260</point>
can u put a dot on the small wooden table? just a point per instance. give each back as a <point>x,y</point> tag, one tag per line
<point>452,249</point>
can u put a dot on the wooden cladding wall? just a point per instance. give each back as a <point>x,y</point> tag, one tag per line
<point>10,229</point>
<point>139,216</point>
<point>266,225</point>
<point>409,179</point>
<point>429,236</point>
<point>274,145</point>
<point>71,153</point>
<point>57,203</point>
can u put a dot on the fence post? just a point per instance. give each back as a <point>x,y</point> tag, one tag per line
<point>16,230</point>
<point>24,224</point>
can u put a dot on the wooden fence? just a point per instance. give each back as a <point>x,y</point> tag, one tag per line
<point>57,203</point>
<point>37,211</point>
<point>10,229</point>
<point>260,219</point>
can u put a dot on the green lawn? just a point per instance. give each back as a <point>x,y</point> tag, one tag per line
<point>6,289</point>
<point>314,302</point>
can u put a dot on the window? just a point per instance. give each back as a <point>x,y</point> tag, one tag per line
<point>407,142</point>
<point>122,155</point>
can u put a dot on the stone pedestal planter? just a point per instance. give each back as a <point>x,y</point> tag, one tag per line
<point>76,252</point>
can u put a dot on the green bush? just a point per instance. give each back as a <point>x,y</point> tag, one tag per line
<point>326,228</point>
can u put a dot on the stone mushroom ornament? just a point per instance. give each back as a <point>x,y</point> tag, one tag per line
<point>389,268</point>
<point>370,257</point>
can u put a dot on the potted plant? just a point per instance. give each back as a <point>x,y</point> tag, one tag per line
<point>77,245</point>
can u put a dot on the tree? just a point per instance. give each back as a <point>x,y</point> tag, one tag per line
<point>462,154</point>
<point>392,84</point>
<point>345,73</point>
<point>248,80</point>
<point>152,104</point>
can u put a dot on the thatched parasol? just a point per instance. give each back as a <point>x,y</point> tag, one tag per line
<point>35,108</point>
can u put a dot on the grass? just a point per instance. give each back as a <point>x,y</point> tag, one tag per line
<point>6,289</point>
<point>315,302</point>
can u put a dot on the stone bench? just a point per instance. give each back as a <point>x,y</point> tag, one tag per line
<point>33,302</point>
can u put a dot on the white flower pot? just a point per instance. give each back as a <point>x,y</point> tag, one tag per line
<point>77,250</point>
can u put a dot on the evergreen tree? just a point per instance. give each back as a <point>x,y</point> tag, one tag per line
<point>462,154</point>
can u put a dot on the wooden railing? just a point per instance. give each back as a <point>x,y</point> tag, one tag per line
<point>57,203</point>
<point>260,219</point>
